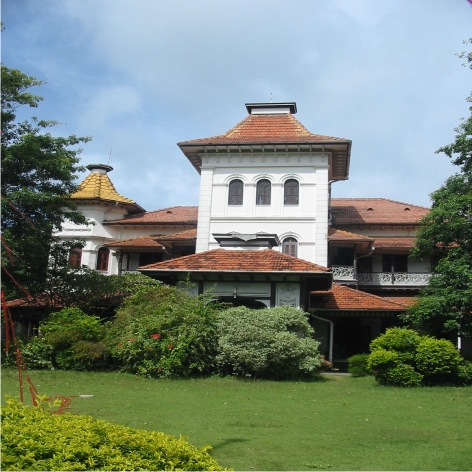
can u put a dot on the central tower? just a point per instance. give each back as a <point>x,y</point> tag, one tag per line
<point>268,175</point>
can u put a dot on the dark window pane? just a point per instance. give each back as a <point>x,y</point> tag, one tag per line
<point>395,263</point>
<point>263,192</point>
<point>291,192</point>
<point>102,258</point>
<point>364,265</point>
<point>235,195</point>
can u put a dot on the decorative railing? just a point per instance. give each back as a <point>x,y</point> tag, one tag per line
<point>397,278</point>
<point>347,273</point>
<point>343,272</point>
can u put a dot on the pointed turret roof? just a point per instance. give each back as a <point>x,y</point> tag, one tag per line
<point>98,186</point>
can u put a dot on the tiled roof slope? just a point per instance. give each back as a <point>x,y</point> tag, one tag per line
<point>339,235</point>
<point>406,301</point>
<point>181,236</point>
<point>223,260</point>
<point>141,242</point>
<point>345,298</point>
<point>277,128</point>
<point>405,242</point>
<point>99,186</point>
<point>374,211</point>
<point>185,215</point>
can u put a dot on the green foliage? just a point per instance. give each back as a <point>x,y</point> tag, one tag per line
<point>400,340</point>
<point>35,439</point>
<point>163,332</point>
<point>357,365</point>
<point>273,343</point>
<point>77,339</point>
<point>437,357</point>
<point>39,172</point>
<point>444,306</point>
<point>401,357</point>
<point>37,354</point>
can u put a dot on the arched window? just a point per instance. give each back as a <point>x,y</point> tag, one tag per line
<point>290,247</point>
<point>75,258</point>
<point>291,192</point>
<point>235,195</point>
<point>102,258</point>
<point>263,192</point>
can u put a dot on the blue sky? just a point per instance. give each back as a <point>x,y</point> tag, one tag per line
<point>141,75</point>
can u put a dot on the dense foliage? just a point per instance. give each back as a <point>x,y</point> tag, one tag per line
<point>444,307</point>
<point>402,357</point>
<point>357,365</point>
<point>273,343</point>
<point>163,332</point>
<point>35,439</point>
<point>39,172</point>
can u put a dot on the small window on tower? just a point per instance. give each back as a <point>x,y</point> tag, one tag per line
<point>235,195</point>
<point>291,192</point>
<point>290,247</point>
<point>263,192</point>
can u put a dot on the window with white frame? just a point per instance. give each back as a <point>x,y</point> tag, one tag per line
<point>263,192</point>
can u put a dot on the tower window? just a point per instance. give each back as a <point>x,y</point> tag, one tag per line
<point>290,247</point>
<point>75,258</point>
<point>291,192</point>
<point>263,192</point>
<point>235,195</point>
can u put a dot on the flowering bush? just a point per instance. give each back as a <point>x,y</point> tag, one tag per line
<point>162,332</point>
<point>273,343</point>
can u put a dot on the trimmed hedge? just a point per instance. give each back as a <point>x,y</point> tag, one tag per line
<point>35,439</point>
<point>357,366</point>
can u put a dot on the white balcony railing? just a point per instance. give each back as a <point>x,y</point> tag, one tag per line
<point>347,273</point>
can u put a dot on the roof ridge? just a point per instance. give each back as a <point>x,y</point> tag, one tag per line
<point>380,198</point>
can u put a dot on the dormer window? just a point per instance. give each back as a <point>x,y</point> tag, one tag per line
<point>263,192</point>
<point>235,194</point>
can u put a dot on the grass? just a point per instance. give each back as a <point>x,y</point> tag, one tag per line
<point>337,423</point>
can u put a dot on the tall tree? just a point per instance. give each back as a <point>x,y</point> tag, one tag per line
<point>444,308</point>
<point>39,172</point>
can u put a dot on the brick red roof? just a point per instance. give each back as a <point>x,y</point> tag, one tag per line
<point>374,211</point>
<point>406,301</point>
<point>345,298</point>
<point>223,260</point>
<point>141,242</point>
<point>181,236</point>
<point>265,128</point>
<point>398,242</point>
<point>339,235</point>
<point>184,215</point>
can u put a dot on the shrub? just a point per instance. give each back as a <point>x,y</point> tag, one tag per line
<point>401,340</point>
<point>35,439</point>
<point>357,365</point>
<point>37,354</point>
<point>402,375</point>
<point>162,332</point>
<point>76,339</point>
<point>273,343</point>
<point>464,373</point>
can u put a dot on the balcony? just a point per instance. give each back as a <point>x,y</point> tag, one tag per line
<point>383,279</point>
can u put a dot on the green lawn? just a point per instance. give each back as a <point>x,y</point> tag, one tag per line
<point>339,423</point>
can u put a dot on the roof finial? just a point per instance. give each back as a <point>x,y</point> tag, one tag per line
<point>109,157</point>
<point>270,97</point>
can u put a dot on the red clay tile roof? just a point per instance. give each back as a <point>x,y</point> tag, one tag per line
<point>223,260</point>
<point>184,215</point>
<point>141,242</point>
<point>339,235</point>
<point>406,301</point>
<point>277,128</point>
<point>400,242</point>
<point>181,236</point>
<point>345,298</point>
<point>374,211</point>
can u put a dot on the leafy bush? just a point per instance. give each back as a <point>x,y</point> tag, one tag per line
<point>163,332</point>
<point>76,339</point>
<point>35,439</point>
<point>273,343</point>
<point>37,354</point>
<point>404,358</point>
<point>402,375</point>
<point>400,340</point>
<point>357,365</point>
<point>437,358</point>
